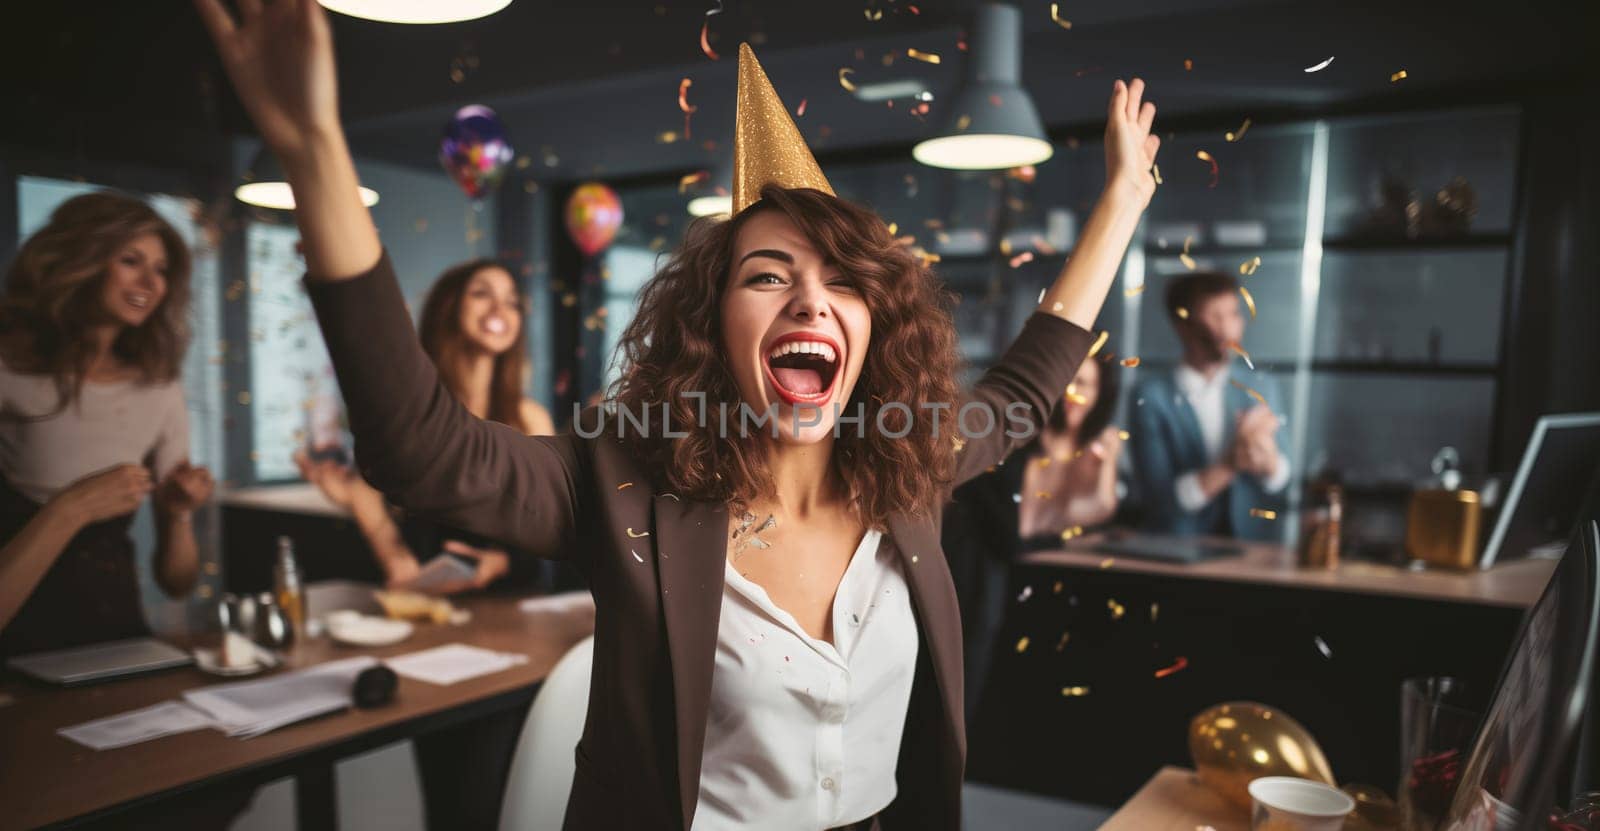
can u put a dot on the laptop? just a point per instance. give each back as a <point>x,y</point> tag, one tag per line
<point>1530,758</point>
<point>100,661</point>
<point>1542,503</point>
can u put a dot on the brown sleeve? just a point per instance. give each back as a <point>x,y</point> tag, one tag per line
<point>1020,390</point>
<point>419,446</point>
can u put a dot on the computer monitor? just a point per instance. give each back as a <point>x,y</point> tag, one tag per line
<point>1542,504</point>
<point>1526,759</point>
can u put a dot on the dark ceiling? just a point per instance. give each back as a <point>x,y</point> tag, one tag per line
<point>589,87</point>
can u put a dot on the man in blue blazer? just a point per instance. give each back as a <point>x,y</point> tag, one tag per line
<point>1208,454</point>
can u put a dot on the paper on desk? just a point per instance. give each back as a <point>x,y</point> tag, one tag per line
<point>556,602</point>
<point>445,665</point>
<point>164,719</point>
<point>250,708</point>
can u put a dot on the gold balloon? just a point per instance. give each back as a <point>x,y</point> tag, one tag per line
<point>1235,743</point>
<point>1375,811</point>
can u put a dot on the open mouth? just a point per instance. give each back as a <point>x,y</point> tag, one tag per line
<point>138,300</point>
<point>496,325</point>
<point>803,368</point>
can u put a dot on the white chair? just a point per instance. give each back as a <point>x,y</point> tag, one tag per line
<point>542,768</point>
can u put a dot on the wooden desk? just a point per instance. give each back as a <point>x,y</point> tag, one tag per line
<point>47,779</point>
<point>1174,800</point>
<point>1515,584</point>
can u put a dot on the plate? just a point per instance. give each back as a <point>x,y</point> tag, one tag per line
<point>368,631</point>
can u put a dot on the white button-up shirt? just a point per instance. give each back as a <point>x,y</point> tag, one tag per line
<point>1207,397</point>
<point>802,733</point>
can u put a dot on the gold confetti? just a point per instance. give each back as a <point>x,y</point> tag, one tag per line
<point>1123,434</point>
<point>1074,531</point>
<point>1215,168</point>
<point>1062,644</point>
<point>667,137</point>
<point>1098,342</point>
<point>1130,362</point>
<point>624,485</point>
<point>1022,645</point>
<point>1042,495</point>
<point>1108,562</point>
<point>1231,136</point>
<point>1134,292</point>
<point>845,81</point>
<point>1055,14</point>
<point>1059,586</point>
<point>694,178</point>
<point>925,57</point>
<point>1243,354</point>
<point>1263,513</point>
<point>1183,314</point>
<point>1177,666</point>
<point>1248,267</point>
<point>1155,170</point>
<point>1249,301</point>
<point>963,122</point>
<point>1117,609</point>
<point>1252,393</point>
<point>244,398</point>
<point>1397,77</point>
<point>1155,610</point>
<point>1024,257</point>
<point>1074,692</point>
<point>1074,396</point>
<point>873,14</point>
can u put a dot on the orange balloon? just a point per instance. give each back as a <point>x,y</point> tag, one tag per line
<point>594,213</point>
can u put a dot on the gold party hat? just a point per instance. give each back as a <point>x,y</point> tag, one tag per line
<point>767,147</point>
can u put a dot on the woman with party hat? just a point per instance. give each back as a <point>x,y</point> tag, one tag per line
<point>777,642</point>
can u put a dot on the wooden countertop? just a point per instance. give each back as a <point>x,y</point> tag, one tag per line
<point>45,778</point>
<point>298,498</point>
<point>1174,800</point>
<point>1515,584</point>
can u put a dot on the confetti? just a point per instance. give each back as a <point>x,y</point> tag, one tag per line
<point>1058,587</point>
<point>1243,354</point>
<point>1062,644</point>
<point>705,31</point>
<point>1188,261</point>
<point>1397,77</point>
<point>1322,646</point>
<point>1263,513</point>
<point>1098,342</point>
<point>1188,64</point>
<point>1249,301</point>
<point>1155,170</point>
<point>1134,292</point>
<point>844,81</point>
<point>1055,15</point>
<point>636,555</point>
<point>683,104</point>
<point>800,110</point>
<point>694,178</point>
<point>1074,692</point>
<point>1108,562</point>
<point>925,57</point>
<point>1216,169</point>
<point>1183,314</point>
<point>1117,609</point>
<point>1130,362</point>
<point>1239,135</point>
<point>1248,267</point>
<point>624,485</point>
<point>873,14</point>
<point>1124,435</point>
<point>1027,592</point>
<point>1155,611</point>
<point>638,535</point>
<point>1252,393</point>
<point>1177,666</point>
<point>1024,257</point>
<point>1321,66</point>
<point>1022,645</point>
<point>1074,396</point>
<point>1074,531</point>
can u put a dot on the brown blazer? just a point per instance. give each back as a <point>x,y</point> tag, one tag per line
<point>654,562</point>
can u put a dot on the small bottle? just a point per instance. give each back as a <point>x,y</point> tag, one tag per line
<point>1321,519</point>
<point>288,585</point>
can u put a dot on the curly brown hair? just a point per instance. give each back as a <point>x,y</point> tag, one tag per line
<point>443,340</point>
<point>52,294</point>
<point>672,347</point>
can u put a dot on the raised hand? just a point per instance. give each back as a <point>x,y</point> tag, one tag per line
<point>492,562</point>
<point>279,56</point>
<point>109,493</point>
<point>1130,146</point>
<point>186,488</point>
<point>336,481</point>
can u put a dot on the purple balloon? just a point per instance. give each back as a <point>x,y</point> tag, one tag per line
<point>474,150</point>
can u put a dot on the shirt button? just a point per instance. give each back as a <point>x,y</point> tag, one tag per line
<point>827,784</point>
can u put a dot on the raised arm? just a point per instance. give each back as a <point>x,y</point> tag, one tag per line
<point>1042,360</point>
<point>414,440</point>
